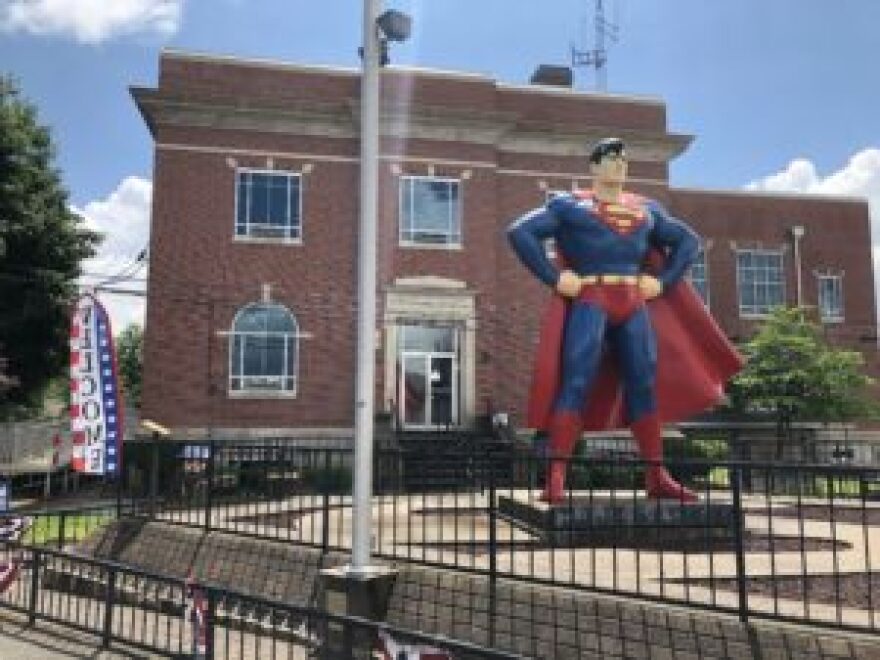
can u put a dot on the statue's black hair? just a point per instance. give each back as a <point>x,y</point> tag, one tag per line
<point>605,146</point>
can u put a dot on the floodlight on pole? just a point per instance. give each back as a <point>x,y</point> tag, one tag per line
<point>395,25</point>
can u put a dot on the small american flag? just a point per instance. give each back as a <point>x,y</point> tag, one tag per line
<point>196,612</point>
<point>12,528</point>
<point>390,649</point>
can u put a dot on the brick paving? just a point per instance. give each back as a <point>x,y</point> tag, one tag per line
<point>50,641</point>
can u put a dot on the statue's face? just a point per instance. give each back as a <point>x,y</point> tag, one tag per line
<point>611,169</point>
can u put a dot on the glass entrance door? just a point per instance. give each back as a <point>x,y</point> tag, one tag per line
<point>428,376</point>
<point>413,395</point>
<point>441,410</point>
<point>428,390</point>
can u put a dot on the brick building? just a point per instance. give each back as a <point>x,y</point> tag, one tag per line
<point>252,293</point>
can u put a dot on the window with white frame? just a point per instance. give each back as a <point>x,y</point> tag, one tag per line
<point>268,205</point>
<point>430,211</point>
<point>698,275</point>
<point>760,279</point>
<point>263,350</point>
<point>831,297</point>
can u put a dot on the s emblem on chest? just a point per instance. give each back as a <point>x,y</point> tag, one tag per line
<point>621,218</point>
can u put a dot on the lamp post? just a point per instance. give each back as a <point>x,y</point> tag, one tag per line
<point>378,30</point>
<point>366,322</point>
<point>797,233</point>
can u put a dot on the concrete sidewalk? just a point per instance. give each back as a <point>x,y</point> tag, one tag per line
<point>46,641</point>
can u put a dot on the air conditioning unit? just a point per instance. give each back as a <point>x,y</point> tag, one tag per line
<point>270,231</point>
<point>264,382</point>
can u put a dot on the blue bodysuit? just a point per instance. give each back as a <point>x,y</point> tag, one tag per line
<point>597,240</point>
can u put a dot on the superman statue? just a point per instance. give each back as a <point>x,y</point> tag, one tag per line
<point>626,341</point>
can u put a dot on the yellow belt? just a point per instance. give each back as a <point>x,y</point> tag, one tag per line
<point>610,278</point>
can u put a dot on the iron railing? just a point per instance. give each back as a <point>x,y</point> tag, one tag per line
<point>796,542</point>
<point>156,613</point>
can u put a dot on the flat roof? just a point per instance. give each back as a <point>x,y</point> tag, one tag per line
<point>465,76</point>
<point>779,194</point>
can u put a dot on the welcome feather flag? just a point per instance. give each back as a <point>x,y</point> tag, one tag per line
<point>96,404</point>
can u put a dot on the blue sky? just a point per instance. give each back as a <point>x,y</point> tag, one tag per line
<point>779,93</point>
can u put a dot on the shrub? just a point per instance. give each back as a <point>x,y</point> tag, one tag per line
<point>335,479</point>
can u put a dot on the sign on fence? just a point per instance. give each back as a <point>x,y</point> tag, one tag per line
<point>96,406</point>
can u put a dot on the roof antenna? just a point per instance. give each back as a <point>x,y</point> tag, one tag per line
<point>597,57</point>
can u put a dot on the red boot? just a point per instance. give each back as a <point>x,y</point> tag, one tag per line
<point>659,485</point>
<point>565,429</point>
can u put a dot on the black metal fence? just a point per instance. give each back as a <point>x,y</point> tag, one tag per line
<point>157,613</point>
<point>795,542</point>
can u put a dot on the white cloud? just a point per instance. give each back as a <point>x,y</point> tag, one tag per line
<point>91,21</point>
<point>859,177</point>
<point>123,217</point>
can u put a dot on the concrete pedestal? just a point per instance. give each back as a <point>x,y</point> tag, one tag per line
<point>603,520</point>
<point>363,595</point>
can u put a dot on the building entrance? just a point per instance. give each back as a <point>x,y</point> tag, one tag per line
<point>428,377</point>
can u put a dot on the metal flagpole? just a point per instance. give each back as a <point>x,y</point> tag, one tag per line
<point>366,341</point>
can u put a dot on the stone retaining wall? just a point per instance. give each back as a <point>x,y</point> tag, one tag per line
<point>544,622</point>
<point>532,620</point>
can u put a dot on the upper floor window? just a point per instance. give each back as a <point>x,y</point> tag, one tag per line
<point>430,211</point>
<point>831,298</point>
<point>760,279</point>
<point>263,350</point>
<point>699,276</point>
<point>268,205</point>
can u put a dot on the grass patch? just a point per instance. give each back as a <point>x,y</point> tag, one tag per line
<point>52,528</point>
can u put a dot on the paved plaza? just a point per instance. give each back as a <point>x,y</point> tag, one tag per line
<point>453,529</point>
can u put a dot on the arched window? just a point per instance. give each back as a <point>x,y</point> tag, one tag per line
<point>263,350</point>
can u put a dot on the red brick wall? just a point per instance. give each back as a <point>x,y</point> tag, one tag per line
<point>200,276</point>
<point>836,238</point>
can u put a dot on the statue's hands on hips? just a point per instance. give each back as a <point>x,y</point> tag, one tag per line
<point>650,286</point>
<point>569,284</point>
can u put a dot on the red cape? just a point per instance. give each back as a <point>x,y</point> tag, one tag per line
<point>694,360</point>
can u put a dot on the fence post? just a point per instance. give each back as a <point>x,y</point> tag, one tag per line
<point>119,491</point>
<point>209,486</point>
<point>154,475</point>
<point>36,561</point>
<point>325,505</point>
<point>108,608</point>
<point>738,524</point>
<point>62,524</point>
<point>210,601</point>
<point>493,554</point>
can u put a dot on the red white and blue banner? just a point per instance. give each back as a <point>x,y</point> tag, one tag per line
<point>95,401</point>
<point>390,649</point>
<point>195,611</point>
<point>12,528</point>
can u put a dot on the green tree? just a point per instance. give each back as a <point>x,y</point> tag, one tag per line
<point>793,374</point>
<point>129,354</point>
<point>41,246</point>
<point>6,381</point>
